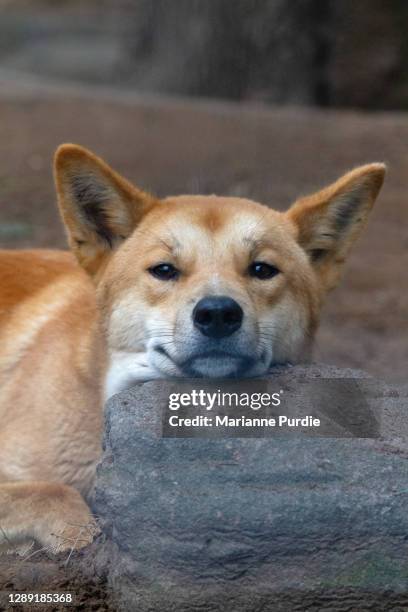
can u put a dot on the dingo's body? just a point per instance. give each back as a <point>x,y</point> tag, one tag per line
<point>187,286</point>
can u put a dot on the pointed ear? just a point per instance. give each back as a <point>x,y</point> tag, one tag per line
<point>100,209</point>
<point>329,221</point>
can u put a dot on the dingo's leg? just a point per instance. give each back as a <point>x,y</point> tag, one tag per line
<point>54,515</point>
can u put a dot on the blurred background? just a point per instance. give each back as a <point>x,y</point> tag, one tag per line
<point>267,99</point>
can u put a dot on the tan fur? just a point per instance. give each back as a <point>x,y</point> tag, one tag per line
<point>68,337</point>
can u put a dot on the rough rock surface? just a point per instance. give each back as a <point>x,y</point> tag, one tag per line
<point>251,524</point>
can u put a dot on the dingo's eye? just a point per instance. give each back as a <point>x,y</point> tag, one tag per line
<point>164,271</point>
<point>262,270</point>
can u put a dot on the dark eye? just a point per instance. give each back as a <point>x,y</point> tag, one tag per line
<point>164,271</point>
<point>262,270</point>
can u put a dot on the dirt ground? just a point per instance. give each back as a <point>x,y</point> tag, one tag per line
<point>43,574</point>
<point>40,573</point>
<point>271,155</point>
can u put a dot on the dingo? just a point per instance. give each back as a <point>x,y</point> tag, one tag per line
<point>186,286</point>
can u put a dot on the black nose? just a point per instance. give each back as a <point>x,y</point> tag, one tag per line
<point>217,316</point>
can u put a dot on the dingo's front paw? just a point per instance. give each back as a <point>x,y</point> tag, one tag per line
<point>126,369</point>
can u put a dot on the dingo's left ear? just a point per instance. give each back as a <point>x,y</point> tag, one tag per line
<point>98,206</point>
<point>329,221</point>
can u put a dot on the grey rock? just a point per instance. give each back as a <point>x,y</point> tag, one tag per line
<point>252,523</point>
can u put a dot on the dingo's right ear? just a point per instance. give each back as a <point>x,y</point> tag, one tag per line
<point>100,208</point>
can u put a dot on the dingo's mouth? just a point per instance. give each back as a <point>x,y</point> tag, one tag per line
<point>212,363</point>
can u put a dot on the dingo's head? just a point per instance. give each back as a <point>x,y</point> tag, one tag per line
<point>206,285</point>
